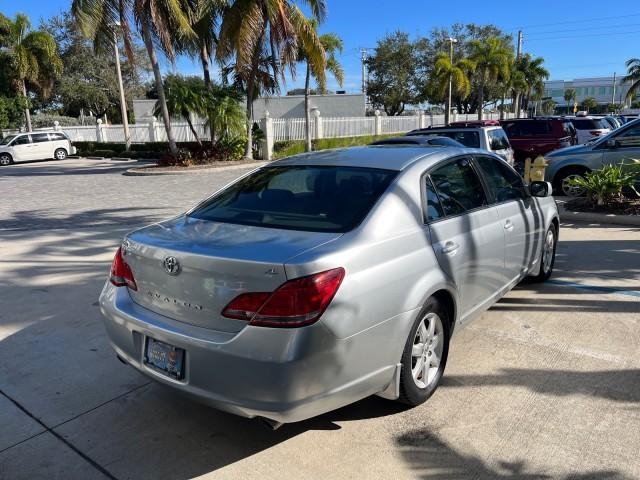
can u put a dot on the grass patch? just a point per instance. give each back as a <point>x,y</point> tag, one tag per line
<point>293,147</point>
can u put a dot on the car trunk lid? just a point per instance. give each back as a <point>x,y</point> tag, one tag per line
<point>190,269</point>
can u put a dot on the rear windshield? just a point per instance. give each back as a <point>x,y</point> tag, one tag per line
<point>310,198</point>
<point>468,138</point>
<point>589,123</point>
<point>527,128</point>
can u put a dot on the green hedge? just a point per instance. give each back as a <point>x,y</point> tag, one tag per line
<point>293,147</point>
<point>137,150</point>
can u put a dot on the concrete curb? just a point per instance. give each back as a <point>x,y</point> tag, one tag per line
<point>593,217</point>
<point>147,172</point>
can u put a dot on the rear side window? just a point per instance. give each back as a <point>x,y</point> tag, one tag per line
<point>504,183</point>
<point>434,208</point>
<point>468,138</point>
<point>310,198</point>
<point>498,140</point>
<point>568,129</point>
<point>458,187</point>
<point>589,123</point>
<point>57,136</point>
<point>39,137</point>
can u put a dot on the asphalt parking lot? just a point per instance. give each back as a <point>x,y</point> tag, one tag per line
<point>545,385</point>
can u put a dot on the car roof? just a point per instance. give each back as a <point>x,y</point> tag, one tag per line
<point>389,157</point>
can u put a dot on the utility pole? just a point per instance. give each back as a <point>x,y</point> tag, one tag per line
<point>519,47</point>
<point>448,112</point>
<point>123,101</point>
<point>613,90</point>
<point>363,60</point>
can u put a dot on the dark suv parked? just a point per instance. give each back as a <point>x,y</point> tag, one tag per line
<point>530,137</point>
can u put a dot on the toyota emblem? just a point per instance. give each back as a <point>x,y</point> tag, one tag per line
<point>171,265</point>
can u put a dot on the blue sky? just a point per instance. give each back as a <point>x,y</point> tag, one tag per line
<point>577,38</point>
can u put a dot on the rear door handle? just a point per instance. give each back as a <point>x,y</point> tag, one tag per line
<point>508,225</point>
<point>450,248</point>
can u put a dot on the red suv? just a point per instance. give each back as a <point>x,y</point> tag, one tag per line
<point>530,137</point>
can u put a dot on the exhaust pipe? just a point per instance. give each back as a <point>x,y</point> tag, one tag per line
<point>270,424</point>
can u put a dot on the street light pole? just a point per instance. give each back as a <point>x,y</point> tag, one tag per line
<point>448,115</point>
<point>123,101</point>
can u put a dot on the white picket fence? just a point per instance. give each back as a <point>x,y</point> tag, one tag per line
<point>139,132</point>
<point>325,127</point>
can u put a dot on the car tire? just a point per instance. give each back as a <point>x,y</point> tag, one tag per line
<point>5,159</point>
<point>433,325</point>
<point>547,255</point>
<point>559,187</point>
<point>60,154</point>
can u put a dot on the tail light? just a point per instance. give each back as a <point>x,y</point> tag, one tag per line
<point>596,133</point>
<point>295,303</point>
<point>121,275</point>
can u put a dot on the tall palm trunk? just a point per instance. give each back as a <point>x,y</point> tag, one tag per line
<point>204,59</point>
<point>27,114</point>
<point>481,96</point>
<point>148,43</point>
<point>516,105</point>
<point>251,84</point>
<point>307,111</point>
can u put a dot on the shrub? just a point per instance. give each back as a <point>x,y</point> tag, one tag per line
<point>293,147</point>
<point>104,153</point>
<point>603,186</point>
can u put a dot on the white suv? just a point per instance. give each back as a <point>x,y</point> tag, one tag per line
<point>485,134</point>
<point>35,146</point>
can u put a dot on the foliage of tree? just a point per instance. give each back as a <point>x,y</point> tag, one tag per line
<point>32,56</point>
<point>159,23</point>
<point>534,75</point>
<point>491,59</point>
<point>392,83</point>
<point>589,103</point>
<point>255,30</point>
<point>457,73</point>
<point>632,77</point>
<point>89,83</point>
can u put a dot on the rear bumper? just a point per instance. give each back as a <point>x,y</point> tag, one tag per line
<point>286,375</point>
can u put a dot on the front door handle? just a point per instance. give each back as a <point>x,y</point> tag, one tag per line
<point>508,225</point>
<point>450,248</point>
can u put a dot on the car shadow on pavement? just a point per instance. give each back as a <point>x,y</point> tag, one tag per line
<point>430,457</point>
<point>50,168</point>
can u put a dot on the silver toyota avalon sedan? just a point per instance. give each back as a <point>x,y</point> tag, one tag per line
<point>323,278</point>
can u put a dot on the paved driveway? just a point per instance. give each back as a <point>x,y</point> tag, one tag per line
<point>545,384</point>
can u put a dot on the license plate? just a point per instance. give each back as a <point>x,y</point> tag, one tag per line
<point>165,358</point>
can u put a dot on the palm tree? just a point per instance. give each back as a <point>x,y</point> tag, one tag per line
<point>183,98</point>
<point>569,97</point>
<point>457,73</point>
<point>331,45</point>
<point>33,55</point>
<point>255,29</point>
<point>158,23</point>
<point>534,74</point>
<point>589,103</point>
<point>226,117</point>
<point>633,76</point>
<point>491,59</point>
<point>517,85</point>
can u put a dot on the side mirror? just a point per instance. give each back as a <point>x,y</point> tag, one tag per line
<point>540,189</point>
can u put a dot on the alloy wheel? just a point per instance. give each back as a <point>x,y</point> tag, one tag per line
<point>547,251</point>
<point>570,190</point>
<point>426,353</point>
<point>5,160</point>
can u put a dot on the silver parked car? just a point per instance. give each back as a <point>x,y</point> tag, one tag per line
<point>324,278</point>
<point>620,146</point>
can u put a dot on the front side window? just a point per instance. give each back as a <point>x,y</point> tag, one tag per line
<point>458,187</point>
<point>309,198</point>
<point>498,140</point>
<point>21,140</point>
<point>504,183</point>
<point>39,137</point>
<point>6,140</point>
<point>630,138</point>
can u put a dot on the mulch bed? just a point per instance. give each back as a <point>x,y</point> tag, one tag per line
<point>619,207</point>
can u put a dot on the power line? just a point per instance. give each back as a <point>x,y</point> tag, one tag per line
<point>582,29</point>
<point>585,36</point>
<point>569,22</point>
